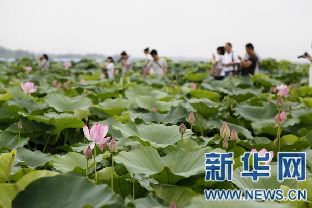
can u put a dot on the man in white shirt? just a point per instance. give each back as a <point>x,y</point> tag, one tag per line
<point>230,61</point>
<point>158,66</point>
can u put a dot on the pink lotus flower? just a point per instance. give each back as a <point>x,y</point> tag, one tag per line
<point>234,135</point>
<point>67,64</point>
<point>87,152</point>
<point>113,147</point>
<point>182,128</point>
<point>283,90</point>
<point>28,87</point>
<point>280,118</point>
<point>225,131</point>
<point>262,153</point>
<point>191,118</point>
<point>96,135</point>
<point>28,68</point>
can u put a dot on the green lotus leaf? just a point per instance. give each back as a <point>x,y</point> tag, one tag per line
<point>158,135</point>
<point>6,164</point>
<point>148,201</point>
<point>204,106</point>
<point>69,162</point>
<point>196,76</point>
<point>255,113</point>
<point>9,113</point>
<point>175,194</point>
<point>59,121</point>
<point>149,102</point>
<point>7,193</point>
<point>199,93</point>
<point>175,115</point>
<point>185,163</point>
<point>66,192</point>
<point>263,183</point>
<point>113,106</point>
<point>10,141</point>
<point>32,159</point>
<point>216,124</point>
<point>63,103</point>
<point>136,91</point>
<point>144,160</point>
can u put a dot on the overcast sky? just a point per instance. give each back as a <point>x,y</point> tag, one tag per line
<point>188,28</point>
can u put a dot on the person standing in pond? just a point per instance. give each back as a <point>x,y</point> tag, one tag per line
<point>248,66</point>
<point>108,68</point>
<point>230,61</point>
<point>309,57</point>
<point>44,62</point>
<point>217,63</point>
<point>125,61</point>
<point>148,59</point>
<point>158,66</point>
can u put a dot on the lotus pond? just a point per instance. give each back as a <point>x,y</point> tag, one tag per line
<point>51,130</point>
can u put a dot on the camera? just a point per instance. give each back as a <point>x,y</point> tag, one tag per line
<point>304,55</point>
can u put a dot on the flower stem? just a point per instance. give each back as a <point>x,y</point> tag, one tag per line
<point>112,176</point>
<point>87,167</point>
<point>95,165</point>
<point>279,137</point>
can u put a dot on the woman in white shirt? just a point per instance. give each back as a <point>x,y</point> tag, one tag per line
<point>217,63</point>
<point>109,67</point>
<point>148,59</point>
<point>44,62</point>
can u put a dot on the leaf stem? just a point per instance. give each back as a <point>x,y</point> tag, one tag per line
<point>133,186</point>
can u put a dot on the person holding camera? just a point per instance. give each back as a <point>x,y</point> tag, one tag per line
<point>309,57</point>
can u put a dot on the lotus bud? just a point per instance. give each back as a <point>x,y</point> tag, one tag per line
<point>19,125</point>
<point>280,118</point>
<point>88,152</point>
<point>173,205</point>
<point>102,146</point>
<point>191,118</point>
<point>225,144</point>
<point>234,135</point>
<point>279,100</point>
<point>182,128</point>
<point>225,131</point>
<point>28,68</point>
<point>67,64</point>
<point>154,109</point>
<point>113,147</point>
<point>193,85</point>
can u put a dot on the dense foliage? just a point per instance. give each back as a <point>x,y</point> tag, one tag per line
<point>42,142</point>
